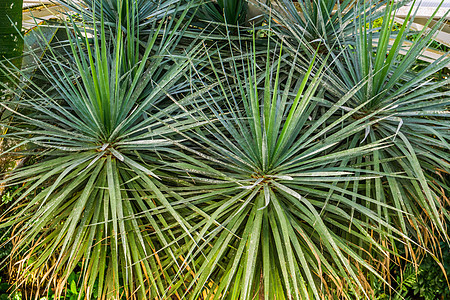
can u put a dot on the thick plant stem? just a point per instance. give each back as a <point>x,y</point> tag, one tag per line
<point>11,48</point>
<point>11,45</point>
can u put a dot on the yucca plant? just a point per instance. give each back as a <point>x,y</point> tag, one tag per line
<point>96,200</point>
<point>284,217</point>
<point>140,12</point>
<point>305,24</point>
<point>223,20</point>
<point>137,20</point>
<point>411,108</point>
<point>229,12</point>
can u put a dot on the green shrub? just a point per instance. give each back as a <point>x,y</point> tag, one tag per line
<point>427,280</point>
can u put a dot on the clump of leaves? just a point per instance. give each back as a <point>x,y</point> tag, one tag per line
<point>102,132</point>
<point>272,179</point>
<point>409,109</point>
<point>230,12</point>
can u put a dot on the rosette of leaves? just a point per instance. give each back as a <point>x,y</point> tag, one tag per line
<point>224,16</point>
<point>97,197</point>
<point>282,216</point>
<point>140,12</point>
<point>232,12</point>
<point>411,109</point>
<point>305,24</point>
<point>136,20</point>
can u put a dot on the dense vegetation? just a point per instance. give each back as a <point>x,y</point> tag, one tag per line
<point>186,150</point>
